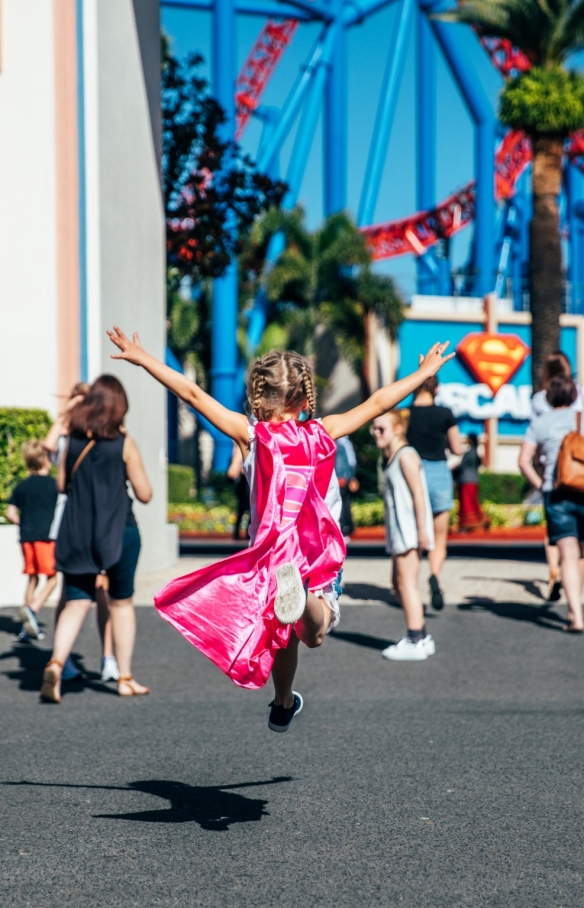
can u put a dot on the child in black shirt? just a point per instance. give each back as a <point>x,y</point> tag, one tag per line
<point>32,506</point>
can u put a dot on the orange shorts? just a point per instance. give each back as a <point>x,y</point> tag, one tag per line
<point>39,558</point>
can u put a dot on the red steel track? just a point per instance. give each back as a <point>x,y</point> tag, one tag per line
<point>418,232</point>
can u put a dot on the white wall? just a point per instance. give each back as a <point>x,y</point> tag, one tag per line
<point>126,279</point>
<point>28,288</point>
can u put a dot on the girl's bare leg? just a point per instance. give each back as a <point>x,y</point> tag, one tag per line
<point>283,672</point>
<point>571,579</point>
<point>437,556</point>
<point>41,597</point>
<point>124,634</point>
<point>311,629</point>
<point>104,623</point>
<point>552,554</point>
<point>408,571</point>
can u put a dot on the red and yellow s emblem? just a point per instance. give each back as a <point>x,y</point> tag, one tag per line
<point>493,358</point>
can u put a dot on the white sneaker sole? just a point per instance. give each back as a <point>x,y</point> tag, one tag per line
<point>394,655</point>
<point>291,598</point>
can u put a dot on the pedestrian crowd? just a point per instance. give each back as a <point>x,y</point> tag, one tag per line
<point>295,475</point>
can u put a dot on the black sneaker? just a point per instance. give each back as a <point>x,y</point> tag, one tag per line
<point>280,718</point>
<point>436,593</point>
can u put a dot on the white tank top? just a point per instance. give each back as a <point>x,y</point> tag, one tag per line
<point>400,516</point>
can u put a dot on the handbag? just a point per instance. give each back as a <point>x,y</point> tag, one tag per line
<point>570,467</point>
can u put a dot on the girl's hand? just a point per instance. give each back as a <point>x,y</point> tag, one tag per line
<point>133,352</point>
<point>434,359</point>
<point>423,540</point>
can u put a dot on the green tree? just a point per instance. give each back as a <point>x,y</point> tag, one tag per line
<point>208,185</point>
<point>321,280</point>
<point>547,102</point>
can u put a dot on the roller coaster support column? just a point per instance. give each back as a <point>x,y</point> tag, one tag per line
<point>576,228</point>
<point>335,117</point>
<point>385,114</point>
<point>425,131</point>
<point>481,111</point>
<point>225,290</point>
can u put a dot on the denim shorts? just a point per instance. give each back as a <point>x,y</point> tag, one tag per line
<point>121,575</point>
<point>440,485</point>
<point>564,516</point>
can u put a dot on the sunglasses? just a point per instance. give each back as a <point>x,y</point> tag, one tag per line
<point>377,430</point>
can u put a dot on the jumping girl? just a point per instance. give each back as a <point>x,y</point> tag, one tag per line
<point>248,612</point>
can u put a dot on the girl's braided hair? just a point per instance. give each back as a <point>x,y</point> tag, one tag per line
<point>280,382</point>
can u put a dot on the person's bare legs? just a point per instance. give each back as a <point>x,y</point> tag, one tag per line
<point>124,635</point>
<point>284,671</point>
<point>66,632</point>
<point>42,595</point>
<point>104,623</point>
<point>408,571</point>
<point>311,629</point>
<point>33,581</point>
<point>437,556</point>
<point>571,579</point>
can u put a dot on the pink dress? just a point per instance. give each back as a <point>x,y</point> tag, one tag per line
<point>227,609</point>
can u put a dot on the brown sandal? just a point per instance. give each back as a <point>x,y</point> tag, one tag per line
<point>129,681</point>
<point>51,679</point>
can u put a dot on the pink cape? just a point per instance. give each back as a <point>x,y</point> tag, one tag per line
<point>227,609</point>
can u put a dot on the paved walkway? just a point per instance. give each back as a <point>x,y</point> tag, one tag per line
<point>451,783</point>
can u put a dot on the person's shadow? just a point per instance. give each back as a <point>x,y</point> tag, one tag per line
<point>371,591</point>
<point>213,807</point>
<point>32,659</point>
<point>516,611</point>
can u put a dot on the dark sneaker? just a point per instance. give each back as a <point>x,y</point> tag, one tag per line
<point>436,594</point>
<point>280,718</point>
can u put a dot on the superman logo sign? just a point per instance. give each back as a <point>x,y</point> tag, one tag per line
<point>493,358</point>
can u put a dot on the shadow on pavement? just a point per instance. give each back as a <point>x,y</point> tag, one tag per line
<point>358,639</point>
<point>366,591</point>
<point>530,586</point>
<point>213,807</point>
<point>517,611</point>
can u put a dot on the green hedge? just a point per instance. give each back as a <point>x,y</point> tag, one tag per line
<point>16,427</point>
<point>502,488</point>
<point>181,482</point>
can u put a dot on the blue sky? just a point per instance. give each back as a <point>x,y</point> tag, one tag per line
<point>367,51</point>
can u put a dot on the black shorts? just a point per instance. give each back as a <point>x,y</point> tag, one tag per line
<point>121,575</point>
<point>564,514</point>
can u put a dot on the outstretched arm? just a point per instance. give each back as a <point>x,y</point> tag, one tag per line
<point>389,396</point>
<point>228,421</point>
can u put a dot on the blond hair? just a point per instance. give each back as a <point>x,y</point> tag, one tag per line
<point>400,418</point>
<point>280,382</point>
<point>35,456</point>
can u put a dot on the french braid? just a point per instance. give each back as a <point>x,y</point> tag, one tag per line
<point>258,383</point>
<point>308,386</point>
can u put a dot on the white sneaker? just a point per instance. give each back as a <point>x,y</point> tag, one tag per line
<point>70,670</point>
<point>30,624</point>
<point>406,651</point>
<point>291,596</point>
<point>429,645</point>
<point>109,669</point>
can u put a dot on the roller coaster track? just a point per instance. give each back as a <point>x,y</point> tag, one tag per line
<point>417,232</point>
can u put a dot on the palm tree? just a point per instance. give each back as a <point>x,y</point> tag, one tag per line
<point>323,281</point>
<point>546,102</point>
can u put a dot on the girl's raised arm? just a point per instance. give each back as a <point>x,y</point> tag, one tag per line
<point>388,397</point>
<point>228,421</point>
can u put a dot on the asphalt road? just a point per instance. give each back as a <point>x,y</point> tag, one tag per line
<point>449,783</point>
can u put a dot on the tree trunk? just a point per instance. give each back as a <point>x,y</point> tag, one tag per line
<point>545,252</point>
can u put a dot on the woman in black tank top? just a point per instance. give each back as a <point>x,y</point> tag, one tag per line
<point>98,542</point>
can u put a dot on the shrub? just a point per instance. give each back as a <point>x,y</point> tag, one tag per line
<point>502,488</point>
<point>367,456</point>
<point>368,513</point>
<point>16,427</point>
<point>181,481</point>
<point>223,491</point>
